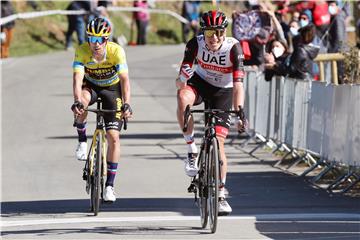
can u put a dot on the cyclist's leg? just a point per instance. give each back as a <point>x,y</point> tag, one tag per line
<point>189,96</point>
<point>111,98</point>
<point>222,100</point>
<point>86,97</point>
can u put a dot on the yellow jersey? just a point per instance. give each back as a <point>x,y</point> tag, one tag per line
<point>104,73</point>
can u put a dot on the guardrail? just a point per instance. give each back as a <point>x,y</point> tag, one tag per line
<point>79,12</point>
<point>307,116</point>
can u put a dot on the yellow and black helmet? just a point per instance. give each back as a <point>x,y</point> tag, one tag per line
<point>99,27</point>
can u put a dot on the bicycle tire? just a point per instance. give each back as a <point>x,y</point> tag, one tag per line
<point>203,206</point>
<point>96,186</point>
<point>213,184</point>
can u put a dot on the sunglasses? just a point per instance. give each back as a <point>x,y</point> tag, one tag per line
<point>217,32</point>
<point>94,39</point>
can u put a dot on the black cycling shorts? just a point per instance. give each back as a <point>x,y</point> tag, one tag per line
<point>111,99</point>
<point>214,97</point>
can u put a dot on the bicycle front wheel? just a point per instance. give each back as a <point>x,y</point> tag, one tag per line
<point>213,184</point>
<point>96,178</point>
<point>203,191</point>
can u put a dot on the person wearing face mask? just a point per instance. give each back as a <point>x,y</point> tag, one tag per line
<point>305,18</point>
<point>276,59</point>
<point>337,34</point>
<point>294,27</point>
<point>302,59</point>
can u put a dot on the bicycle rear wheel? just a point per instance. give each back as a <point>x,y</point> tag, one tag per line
<point>203,191</point>
<point>213,184</point>
<point>96,178</point>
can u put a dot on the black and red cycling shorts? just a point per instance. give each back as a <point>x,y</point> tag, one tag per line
<point>215,98</point>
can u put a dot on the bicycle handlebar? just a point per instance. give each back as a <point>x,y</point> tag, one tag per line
<point>188,112</point>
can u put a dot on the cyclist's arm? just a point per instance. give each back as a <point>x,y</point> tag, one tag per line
<point>236,57</point>
<point>190,52</point>
<point>122,70</point>
<point>77,83</point>
<point>125,87</point>
<point>78,74</point>
<point>238,95</point>
<point>185,71</point>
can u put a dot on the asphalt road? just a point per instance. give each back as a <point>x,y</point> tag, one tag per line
<point>43,195</point>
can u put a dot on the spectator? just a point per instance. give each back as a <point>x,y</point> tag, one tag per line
<point>257,48</point>
<point>337,30</point>
<point>76,23</point>
<point>276,59</point>
<point>190,11</point>
<point>7,9</point>
<point>301,60</point>
<point>142,20</point>
<point>295,16</point>
<point>252,5</point>
<point>337,34</point>
<point>358,25</point>
<point>305,18</point>
<point>293,33</point>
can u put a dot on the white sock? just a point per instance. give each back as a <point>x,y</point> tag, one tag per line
<point>223,181</point>
<point>190,143</point>
<point>222,193</point>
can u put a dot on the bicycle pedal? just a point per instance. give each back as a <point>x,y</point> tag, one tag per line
<point>191,188</point>
<point>85,176</point>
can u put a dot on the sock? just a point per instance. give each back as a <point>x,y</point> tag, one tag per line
<point>111,173</point>
<point>81,129</point>
<point>190,143</point>
<point>222,188</point>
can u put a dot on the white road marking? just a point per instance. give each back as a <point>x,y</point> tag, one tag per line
<point>319,218</point>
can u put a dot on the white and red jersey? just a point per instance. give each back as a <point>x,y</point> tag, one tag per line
<point>219,68</point>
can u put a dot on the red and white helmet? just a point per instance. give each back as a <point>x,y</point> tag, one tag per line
<point>213,20</point>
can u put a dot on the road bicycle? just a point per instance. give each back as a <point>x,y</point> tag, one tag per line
<point>205,185</point>
<point>95,169</point>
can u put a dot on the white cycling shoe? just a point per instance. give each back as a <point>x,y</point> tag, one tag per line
<point>224,207</point>
<point>109,194</point>
<point>81,151</point>
<point>190,165</point>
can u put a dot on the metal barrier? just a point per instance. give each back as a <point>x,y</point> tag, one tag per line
<point>319,119</point>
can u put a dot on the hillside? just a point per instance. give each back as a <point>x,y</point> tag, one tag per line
<point>46,34</point>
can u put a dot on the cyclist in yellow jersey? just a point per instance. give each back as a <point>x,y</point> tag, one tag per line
<point>100,70</point>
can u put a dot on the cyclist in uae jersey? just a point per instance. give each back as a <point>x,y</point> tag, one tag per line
<point>217,79</point>
<point>100,70</point>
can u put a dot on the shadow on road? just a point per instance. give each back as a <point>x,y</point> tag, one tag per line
<point>115,230</point>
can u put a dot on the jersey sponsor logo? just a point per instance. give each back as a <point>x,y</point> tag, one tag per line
<point>218,60</point>
<point>108,64</point>
<point>215,68</point>
<point>90,63</point>
<point>113,123</point>
<point>101,73</point>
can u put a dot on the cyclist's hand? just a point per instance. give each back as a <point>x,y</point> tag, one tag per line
<point>126,109</point>
<point>241,122</point>
<point>242,125</point>
<point>186,73</point>
<point>77,108</point>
